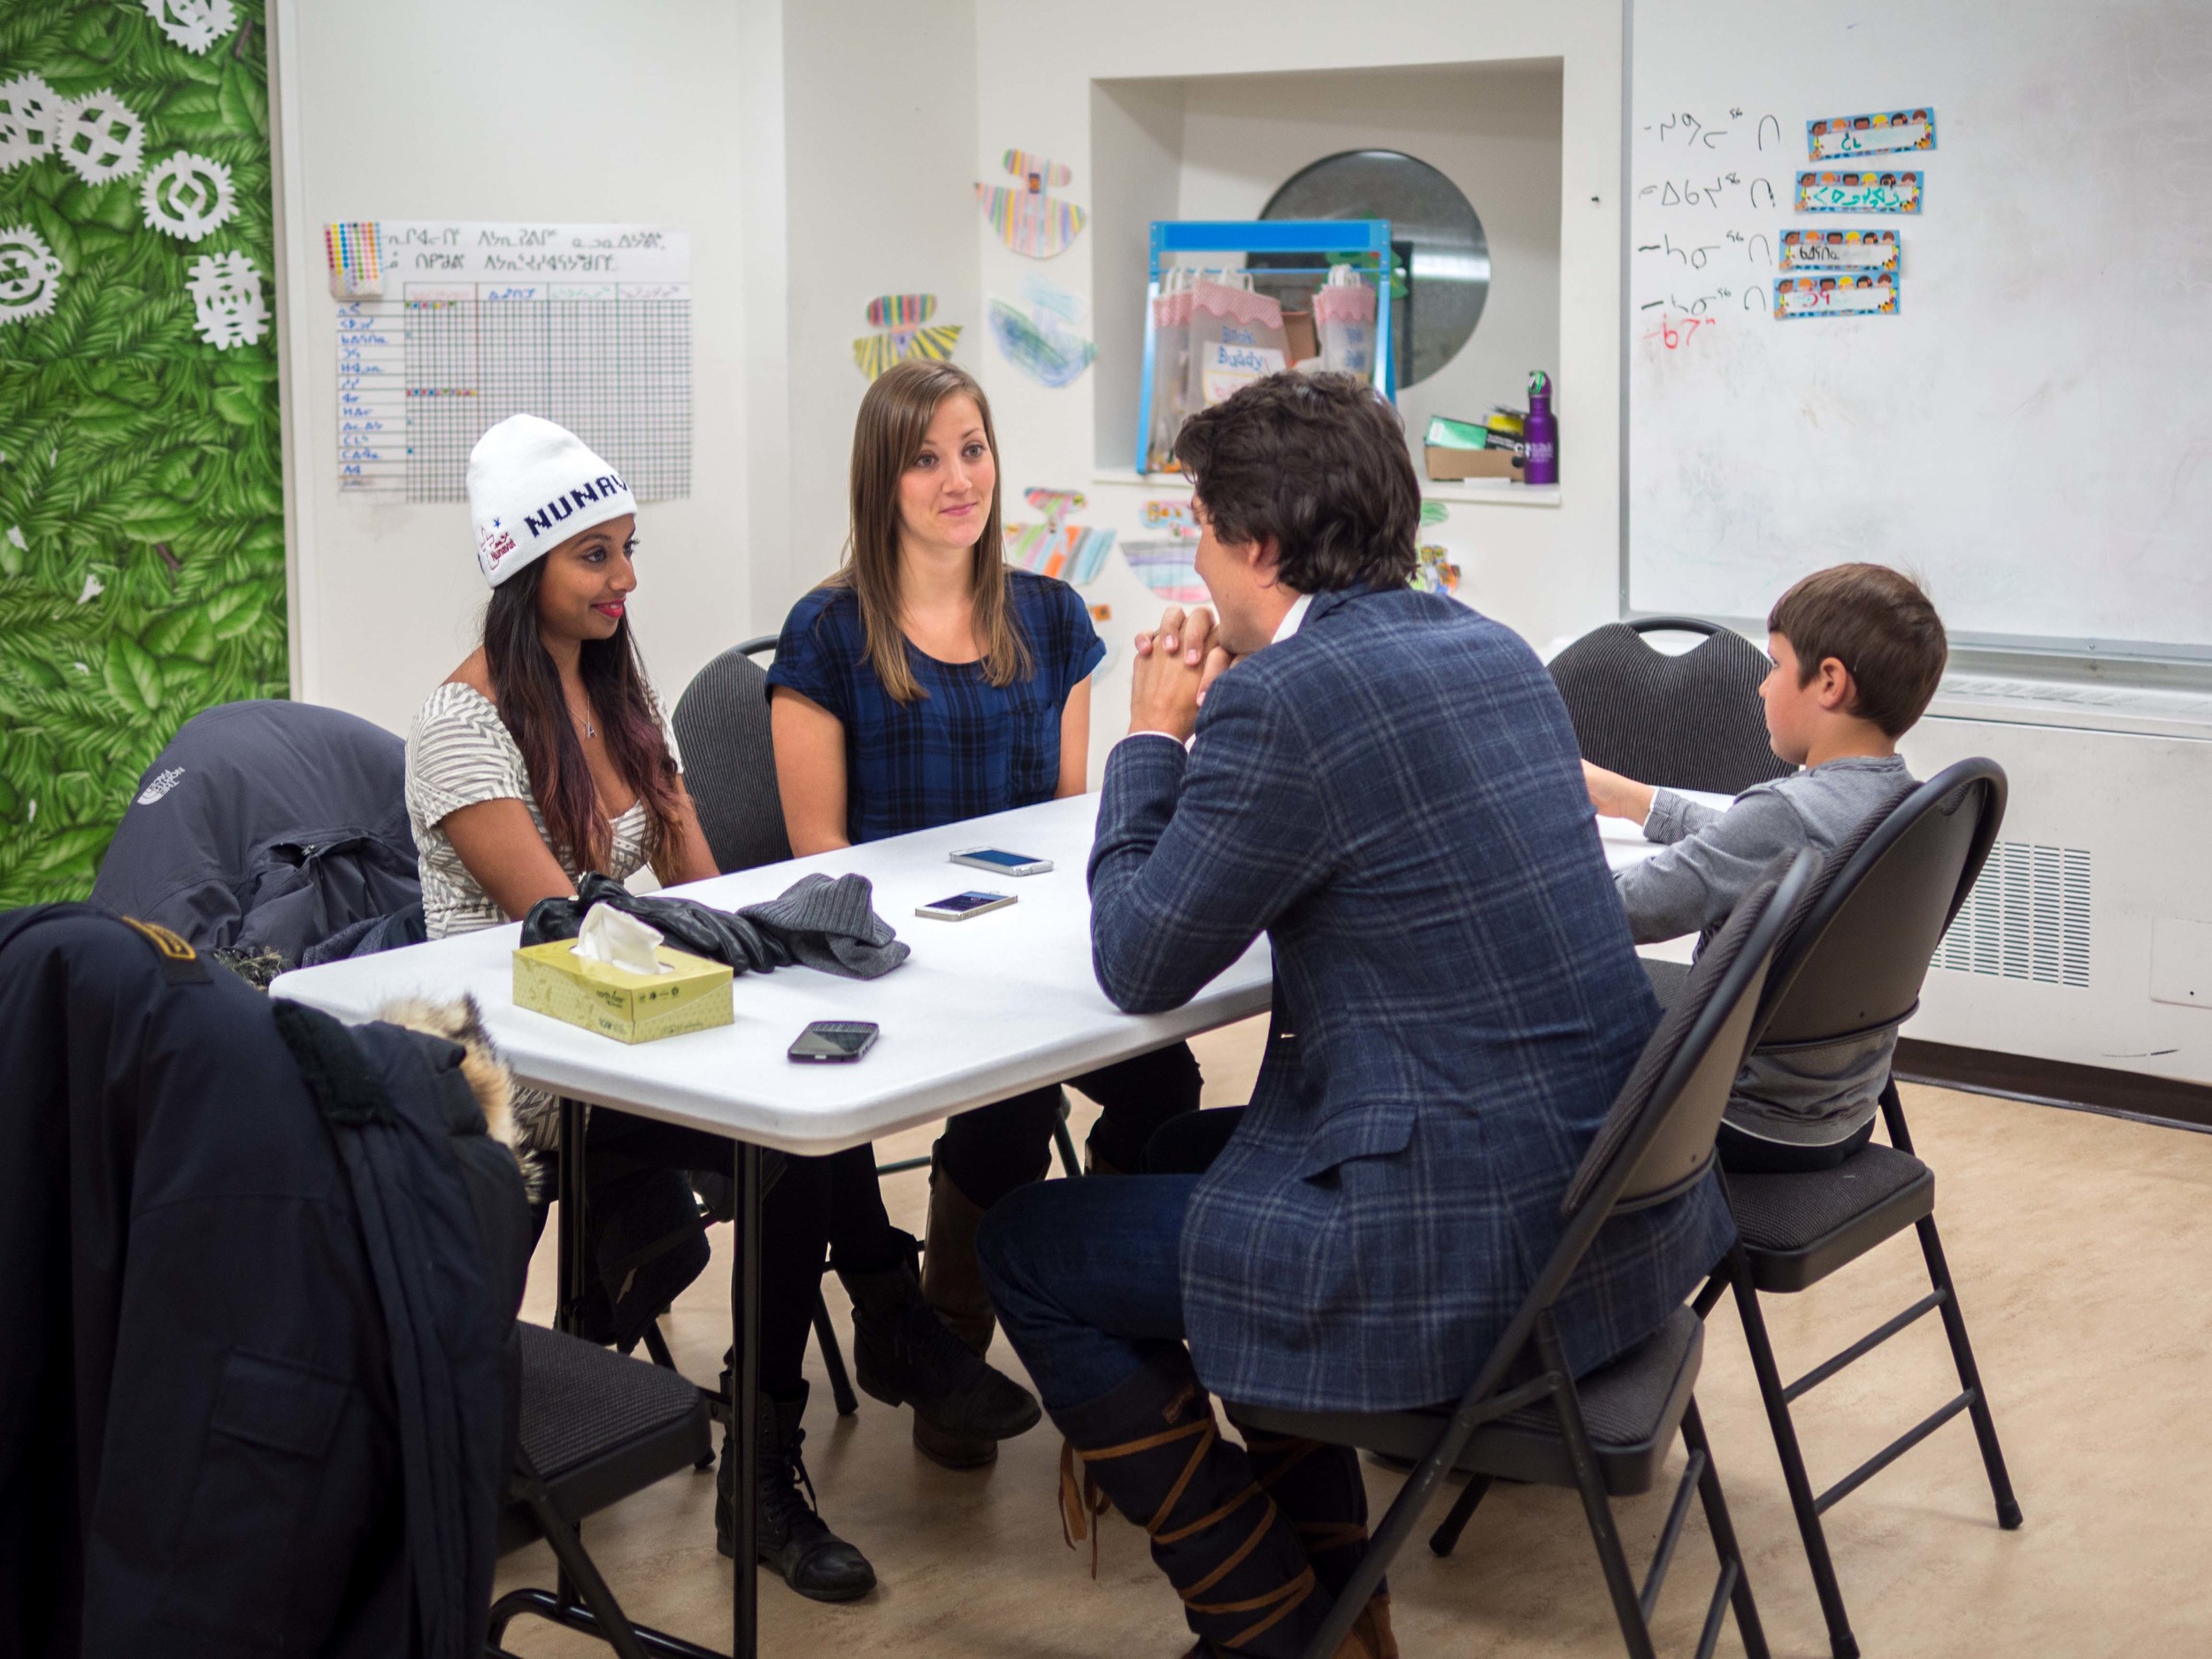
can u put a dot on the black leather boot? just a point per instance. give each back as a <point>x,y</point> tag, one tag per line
<point>904,1355</point>
<point>952,1284</point>
<point>791,1535</point>
<point>1153,1447</point>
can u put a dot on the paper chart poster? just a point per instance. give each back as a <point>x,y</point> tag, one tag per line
<point>1866,295</point>
<point>1881,191</point>
<point>1839,250</point>
<point>586,325</point>
<point>1840,137</point>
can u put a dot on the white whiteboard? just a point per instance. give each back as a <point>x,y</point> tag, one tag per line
<point>2032,430</point>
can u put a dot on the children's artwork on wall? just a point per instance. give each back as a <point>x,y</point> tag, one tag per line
<point>1175,514</point>
<point>1026,216</point>
<point>1840,137</point>
<point>1073,553</point>
<point>1168,567</point>
<point>1867,293</point>
<point>1871,190</point>
<point>1042,337</point>
<point>1435,574</point>
<point>1434,512</point>
<point>908,333</point>
<point>1839,250</point>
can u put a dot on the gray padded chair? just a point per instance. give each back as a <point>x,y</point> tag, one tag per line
<point>1853,965</point>
<point>1686,722</point>
<point>1606,1434</point>
<point>721,725</point>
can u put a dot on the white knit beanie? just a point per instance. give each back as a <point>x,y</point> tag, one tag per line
<point>532,485</point>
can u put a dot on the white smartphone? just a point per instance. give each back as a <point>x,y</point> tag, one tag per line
<point>961,906</point>
<point>999,862</point>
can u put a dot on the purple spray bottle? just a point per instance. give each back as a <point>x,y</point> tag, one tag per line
<point>1540,433</point>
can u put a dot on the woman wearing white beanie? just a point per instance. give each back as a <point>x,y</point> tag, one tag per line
<point>546,753</point>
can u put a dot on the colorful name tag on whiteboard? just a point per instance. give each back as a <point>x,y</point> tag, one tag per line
<point>1839,250</point>
<point>1862,295</point>
<point>1869,190</point>
<point>1840,137</point>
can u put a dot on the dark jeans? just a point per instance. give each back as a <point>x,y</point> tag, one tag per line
<point>992,1150</point>
<point>1086,1275</point>
<point>1742,1154</point>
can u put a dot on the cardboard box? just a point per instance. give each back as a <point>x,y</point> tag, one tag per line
<point>552,978</point>
<point>1445,465</point>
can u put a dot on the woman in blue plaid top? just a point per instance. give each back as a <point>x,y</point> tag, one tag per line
<point>924,684</point>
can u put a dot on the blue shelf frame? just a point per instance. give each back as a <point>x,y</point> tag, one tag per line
<point>1368,236</point>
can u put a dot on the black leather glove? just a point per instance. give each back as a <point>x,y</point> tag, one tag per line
<point>685,924</point>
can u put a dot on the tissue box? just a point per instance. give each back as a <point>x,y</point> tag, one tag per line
<point>552,978</point>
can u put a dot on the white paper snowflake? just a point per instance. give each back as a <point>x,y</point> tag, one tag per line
<point>194,25</point>
<point>28,110</point>
<point>187,195</point>
<point>100,138</point>
<point>30,276</point>
<point>227,302</point>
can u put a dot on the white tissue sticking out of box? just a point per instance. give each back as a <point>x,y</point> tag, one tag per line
<point>618,940</point>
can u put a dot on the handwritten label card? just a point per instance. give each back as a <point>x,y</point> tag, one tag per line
<point>1861,296</point>
<point>1839,250</point>
<point>1840,137</point>
<point>1863,192</point>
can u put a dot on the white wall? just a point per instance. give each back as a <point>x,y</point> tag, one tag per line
<point>555,110</point>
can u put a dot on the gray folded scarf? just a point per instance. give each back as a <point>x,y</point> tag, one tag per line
<point>830,923</point>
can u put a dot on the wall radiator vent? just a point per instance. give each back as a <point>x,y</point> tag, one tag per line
<point>2027,917</point>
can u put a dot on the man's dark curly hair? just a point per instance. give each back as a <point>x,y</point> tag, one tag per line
<point>1319,462</point>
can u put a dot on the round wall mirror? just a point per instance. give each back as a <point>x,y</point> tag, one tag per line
<point>1438,237</point>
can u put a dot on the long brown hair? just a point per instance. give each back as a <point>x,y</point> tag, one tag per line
<point>536,712</point>
<point>894,418</point>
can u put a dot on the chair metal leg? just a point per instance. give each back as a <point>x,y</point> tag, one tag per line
<point>545,1605</point>
<point>1444,1538</point>
<point>1748,1629</point>
<point>1841,1643</point>
<point>834,1359</point>
<point>576,1567</point>
<point>657,1345</point>
<point>1596,1506</point>
<point>1970,1376</point>
<point>1069,1164</point>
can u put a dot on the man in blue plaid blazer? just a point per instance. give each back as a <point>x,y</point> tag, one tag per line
<point>1385,783</point>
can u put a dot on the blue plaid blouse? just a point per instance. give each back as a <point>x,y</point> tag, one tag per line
<point>965,747</point>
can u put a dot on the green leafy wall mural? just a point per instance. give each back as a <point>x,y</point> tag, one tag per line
<point>142,529</point>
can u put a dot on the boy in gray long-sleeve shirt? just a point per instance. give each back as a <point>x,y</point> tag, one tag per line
<point>1858,651</point>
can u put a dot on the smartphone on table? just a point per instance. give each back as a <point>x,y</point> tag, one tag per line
<point>961,906</point>
<point>1000,862</point>
<point>828,1042</point>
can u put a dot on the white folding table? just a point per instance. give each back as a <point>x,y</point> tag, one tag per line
<point>985,1009</point>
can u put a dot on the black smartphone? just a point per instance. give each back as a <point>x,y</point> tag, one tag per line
<point>828,1042</point>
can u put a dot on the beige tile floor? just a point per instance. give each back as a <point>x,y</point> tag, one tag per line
<point>2080,1244</point>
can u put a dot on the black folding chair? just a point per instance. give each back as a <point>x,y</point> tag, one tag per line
<point>1853,966</point>
<point>1526,1417</point>
<point>595,1428</point>
<point>1685,722</point>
